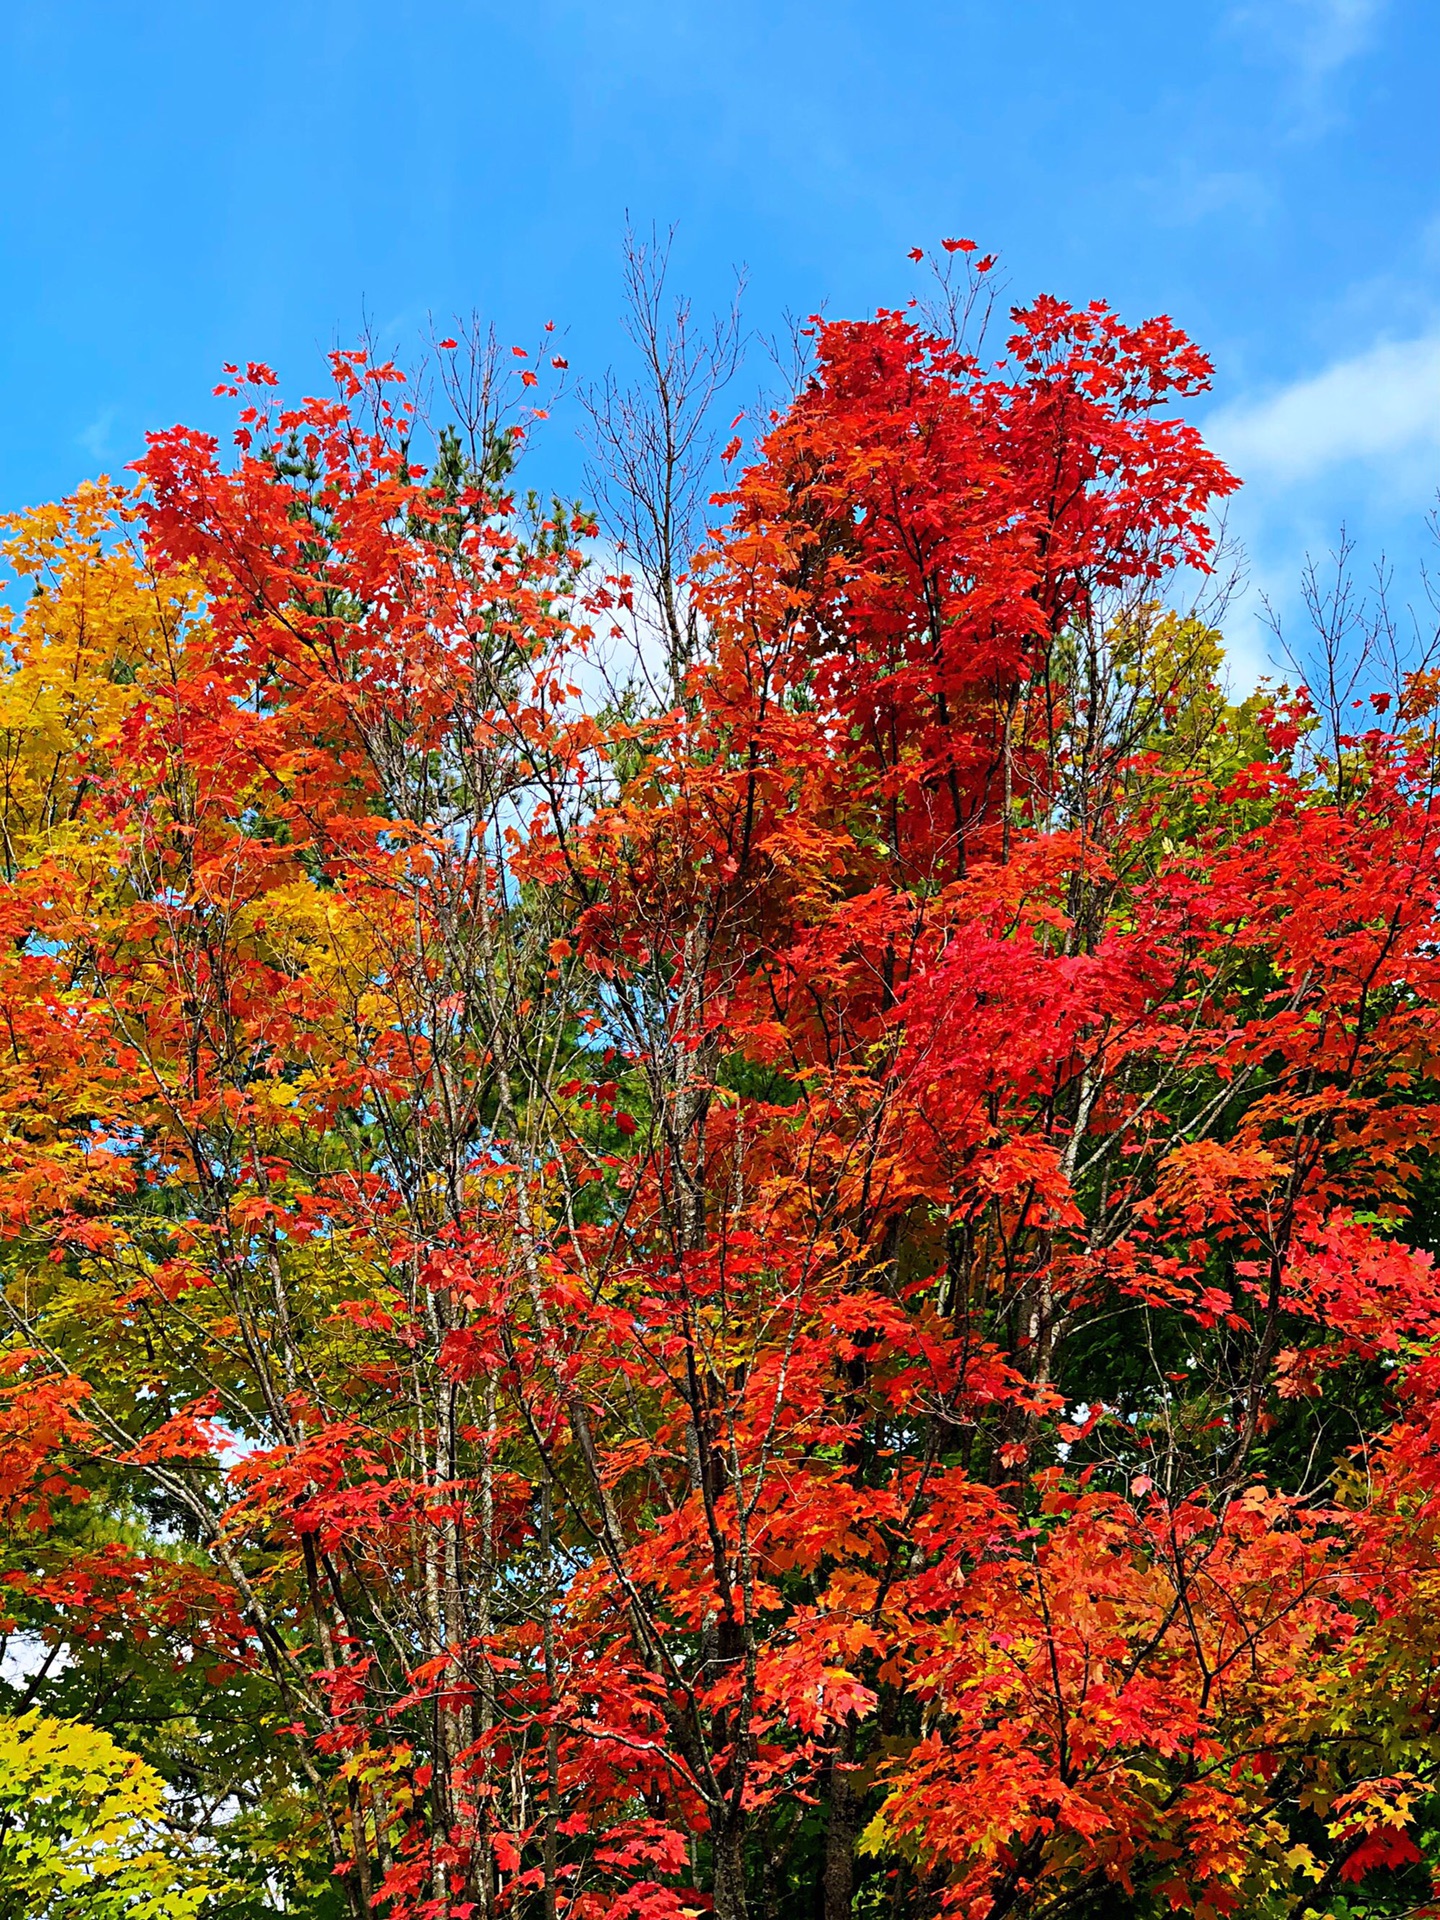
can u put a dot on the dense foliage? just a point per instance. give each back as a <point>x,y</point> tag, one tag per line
<point>803,1296</point>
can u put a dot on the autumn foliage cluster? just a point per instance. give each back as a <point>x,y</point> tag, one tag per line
<point>794,1288</point>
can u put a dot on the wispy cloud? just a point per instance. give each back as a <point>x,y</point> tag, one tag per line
<point>1381,407</point>
<point>1317,36</point>
<point>1186,195</point>
<point>1352,445</point>
<point>94,440</point>
<point>1311,39</point>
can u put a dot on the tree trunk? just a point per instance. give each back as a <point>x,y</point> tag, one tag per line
<point>841,1831</point>
<point>730,1901</point>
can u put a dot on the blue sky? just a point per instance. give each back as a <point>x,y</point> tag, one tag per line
<point>189,183</point>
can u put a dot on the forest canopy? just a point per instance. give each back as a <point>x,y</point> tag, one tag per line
<point>727,1208</point>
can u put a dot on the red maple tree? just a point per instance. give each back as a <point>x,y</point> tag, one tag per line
<point>793,1299</point>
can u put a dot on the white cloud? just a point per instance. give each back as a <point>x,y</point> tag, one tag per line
<point>1352,450</point>
<point>1314,36</point>
<point>1310,41</point>
<point>1334,31</point>
<point>1381,407</point>
<point>94,440</point>
<point>1184,195</point>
